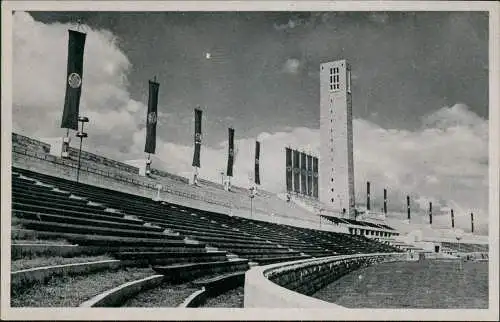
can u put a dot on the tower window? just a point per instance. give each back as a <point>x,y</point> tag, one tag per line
<point>334,79</point>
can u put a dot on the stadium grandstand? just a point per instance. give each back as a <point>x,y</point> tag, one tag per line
<point>89,230</point>
<point>124,239</point>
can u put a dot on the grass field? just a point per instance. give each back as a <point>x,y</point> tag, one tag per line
<point>426,284</point>
<point>25,263</point>
<point>71,291</point>
<point>165,295</point>
<point>231,299</point>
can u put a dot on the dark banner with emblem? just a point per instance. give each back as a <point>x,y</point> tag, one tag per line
<point>257,162</point>
<point>288,164</point>
<point>296,171</point>
<point>315,177</point>
<point>430,213</point>
<point>152,117</point>
<point>303,173</point>
<point>74,74</point>
<point>197,137</point>
<point>309,175</point>
<point>230,156</point>
<point>472,223</point>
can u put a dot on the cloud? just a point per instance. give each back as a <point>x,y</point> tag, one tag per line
<point>444,161</point>
<point>39,57</point>
<point>291,66</point>
<point>445,165</point>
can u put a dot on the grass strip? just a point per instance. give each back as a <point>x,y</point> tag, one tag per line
<point>41,241</point>
<point>231,299</point>
<point>165,295</point>
<point>25,263</point>
<point>71,291</point>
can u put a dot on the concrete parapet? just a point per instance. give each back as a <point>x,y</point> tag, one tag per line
<point>119,294</point>
<point>286,285</point>
<point>27,277</point>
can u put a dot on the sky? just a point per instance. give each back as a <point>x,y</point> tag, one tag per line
<point>420,93</point>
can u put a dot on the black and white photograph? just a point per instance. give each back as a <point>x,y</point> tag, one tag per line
<point>254,160</point>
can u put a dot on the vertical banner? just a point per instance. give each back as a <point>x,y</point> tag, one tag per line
<point>150,146</point>
<point>74,74</point>
<point>452,219</point>
<point>309,175</point>
<point>257,162</point>
<point>230,153</point>
<point>315,177</point>
<point>368,195</point>
<point>296,171</point>
<point>288,164</point>
<point>197,138</point>
<point>385,201</point>
<point>408,206</point>
<point>303,173</point>
<point>430,213</point>
<point>471,222</point>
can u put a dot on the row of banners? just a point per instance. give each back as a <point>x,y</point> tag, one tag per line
<point>198,114</point>
<point>301,169</point>
<point>74,74</point>
<point>301,173</point>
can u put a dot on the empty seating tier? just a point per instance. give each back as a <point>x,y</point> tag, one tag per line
<point>61,222</point>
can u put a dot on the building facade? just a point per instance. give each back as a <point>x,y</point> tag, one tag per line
<point>336,164</point>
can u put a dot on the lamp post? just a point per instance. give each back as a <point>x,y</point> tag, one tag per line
<point>222,177</point>
<point>251,195</point>
<point>148,165</point>
<point>158,187</point>
<point>81,135</point>
<point>458,236</point>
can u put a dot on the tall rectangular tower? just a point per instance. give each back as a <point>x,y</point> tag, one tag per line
<point>336,163</point>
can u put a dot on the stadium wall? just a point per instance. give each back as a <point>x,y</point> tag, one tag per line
<point>47,164</point>
<point>95,170</point>
<point>172,191</point>
<point>287,285</point>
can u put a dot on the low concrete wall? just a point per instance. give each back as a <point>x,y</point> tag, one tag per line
<point>26,250</point>
<point>26,277</point>
<point>286,285</point>
<point>88,157</point>
<point>21,141</point>
<point>195,299</point>
<point>118,295</point>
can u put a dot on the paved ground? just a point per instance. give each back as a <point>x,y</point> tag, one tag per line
<point>427,284</point>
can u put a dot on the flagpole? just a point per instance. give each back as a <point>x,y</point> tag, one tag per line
<point>148,165</point>
<point>65,145</point>
<point>81,135</point>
